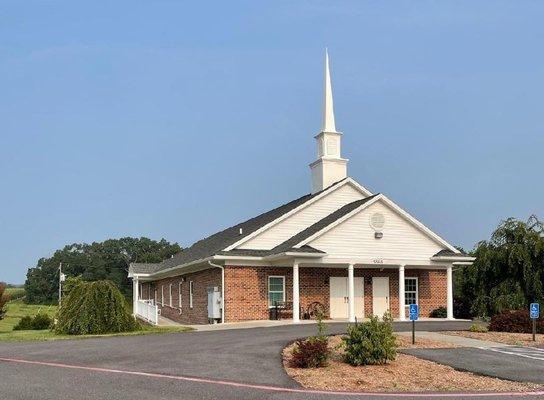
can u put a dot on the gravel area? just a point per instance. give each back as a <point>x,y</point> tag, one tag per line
<point>515,339</point>
<point>406,373</point>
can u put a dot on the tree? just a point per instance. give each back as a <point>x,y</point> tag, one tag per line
<point>4,298</point>
<point>96,261</point>
<point>509,269</point>
<point>94,308</point>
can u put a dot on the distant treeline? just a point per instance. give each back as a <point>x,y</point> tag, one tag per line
<point>96,261</point>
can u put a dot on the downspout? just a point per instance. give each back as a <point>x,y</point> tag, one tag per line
<point>222,289</point>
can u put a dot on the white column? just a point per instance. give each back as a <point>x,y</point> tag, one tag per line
<point>296,295</point>
<point>449,280</point>
<point>135,295</point>
<point>351,294</point>
<point>402,308</point>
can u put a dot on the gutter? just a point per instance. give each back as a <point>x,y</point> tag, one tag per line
<point>222,289</point>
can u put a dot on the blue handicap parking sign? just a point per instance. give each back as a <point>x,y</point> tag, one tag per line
<point>535,310</point>
<point>414,312</point>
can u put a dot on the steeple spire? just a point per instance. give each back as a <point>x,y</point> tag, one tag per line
<point>329,167</point>
<point>328,107</point>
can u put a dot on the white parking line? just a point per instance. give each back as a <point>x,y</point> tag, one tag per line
<point>532,353</point>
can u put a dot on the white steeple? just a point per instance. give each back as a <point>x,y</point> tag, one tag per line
<point>329,167</point>
<point>328,106</point>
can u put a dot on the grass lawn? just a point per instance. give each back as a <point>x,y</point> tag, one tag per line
<point>17,309</point>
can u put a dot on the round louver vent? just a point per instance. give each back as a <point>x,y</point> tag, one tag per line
<point>377,221</point>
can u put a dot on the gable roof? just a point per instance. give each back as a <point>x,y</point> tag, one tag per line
<point>321,224</point>
<point>219,241</point>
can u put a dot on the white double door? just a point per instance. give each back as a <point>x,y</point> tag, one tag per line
<point>339,297</point>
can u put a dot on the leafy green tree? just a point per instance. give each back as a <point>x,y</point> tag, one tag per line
<point>91,262</point>
<point>4,298</point>
<point>509,269</point>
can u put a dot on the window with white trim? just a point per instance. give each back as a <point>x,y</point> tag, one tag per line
<point>191,290</point>
<point>276,289</point>
<point>170,295</point>
<point>162,295</point>
<point>410,291</point>
<point>179,295</point>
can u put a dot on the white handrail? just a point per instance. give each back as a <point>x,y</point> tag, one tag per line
<point>148,311</point>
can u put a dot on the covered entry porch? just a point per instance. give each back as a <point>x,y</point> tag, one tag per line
<point>348,291</point>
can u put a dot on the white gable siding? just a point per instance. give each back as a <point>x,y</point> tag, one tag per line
<point>304,218</point>
<point>355,238</point>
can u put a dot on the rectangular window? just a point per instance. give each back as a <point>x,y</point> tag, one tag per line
<point>140,291</point>
<point>162,295</point>
<point>276,290</point>
<point>410,291</point>
<point>191,290</point>
<point>179,295</point>
<point>170,295</point>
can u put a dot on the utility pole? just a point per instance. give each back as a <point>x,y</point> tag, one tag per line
<point>61,279</point>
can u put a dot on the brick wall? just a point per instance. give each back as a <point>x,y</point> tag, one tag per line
<point>246,289</point>
<point>201,281</point>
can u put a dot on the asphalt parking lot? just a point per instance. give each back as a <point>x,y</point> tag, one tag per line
<point>241,364</point>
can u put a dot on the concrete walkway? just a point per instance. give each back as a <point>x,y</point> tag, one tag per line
<point>456,340</point>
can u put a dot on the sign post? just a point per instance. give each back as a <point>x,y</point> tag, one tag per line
<point>414,315</point>
<point>534,311</point>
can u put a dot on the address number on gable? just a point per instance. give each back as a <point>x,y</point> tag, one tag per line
<point>378,261</point>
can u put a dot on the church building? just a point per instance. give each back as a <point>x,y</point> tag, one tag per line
<point>340,250</point>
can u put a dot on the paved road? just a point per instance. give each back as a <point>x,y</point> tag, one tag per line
<point>163,366</point>
<point>513,363</point>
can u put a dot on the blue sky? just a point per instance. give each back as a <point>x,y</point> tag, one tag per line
<point>175,119</point>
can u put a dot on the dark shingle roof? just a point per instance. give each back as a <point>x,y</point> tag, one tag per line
<point>217,242</point>
<point>449,253</point>
<point>264,253</point>
<point>144,268</point>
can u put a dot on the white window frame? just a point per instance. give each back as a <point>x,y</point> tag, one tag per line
<point>191,292</point>
<point>179,294</point>
<point>162,295</point>
<point>268,288</point>
<point>411,291</point>
<point>170,295</point>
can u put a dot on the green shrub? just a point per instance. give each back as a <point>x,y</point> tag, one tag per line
<point>42,321</point>
<point>371,342</point>
<point>39,322</point>
<point>94,308</point>
<point>440,312</point>
<point>478,328</point>
<point>516,321</point>
<point>24,324</point>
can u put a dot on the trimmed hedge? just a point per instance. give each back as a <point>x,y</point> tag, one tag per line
<point>440,312</point>
<point>95,308</point>
<point>515,321</point>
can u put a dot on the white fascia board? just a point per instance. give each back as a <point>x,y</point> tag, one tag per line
<point>453,258</point>
<point>418,224</point>
<point>338,221</point>
<point>295,254</point>
<point>331,189</point>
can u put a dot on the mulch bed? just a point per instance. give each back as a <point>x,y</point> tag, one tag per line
<point>406,373</point>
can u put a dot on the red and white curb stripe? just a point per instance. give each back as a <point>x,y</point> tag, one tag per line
<point>267,387</point>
